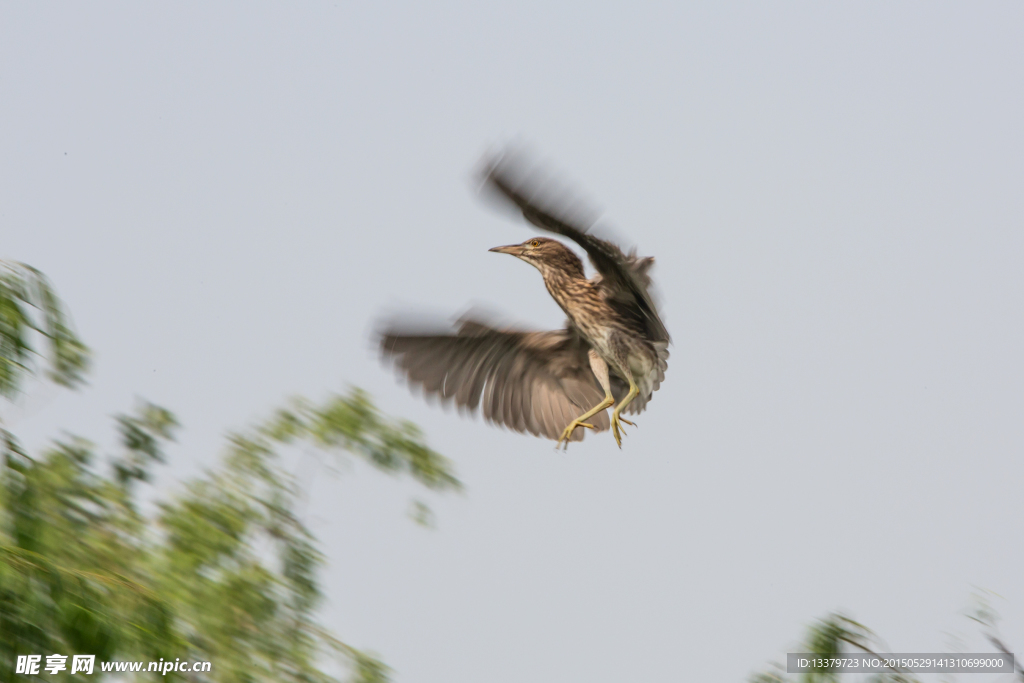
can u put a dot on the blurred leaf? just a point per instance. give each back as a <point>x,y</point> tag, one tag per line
<point>835,636</point>
<point>773,676</point>
<point>421,513</point>
<point>141,437</point>
<point>368,669</point>
<point>29,307</point>
<point>352,424</point>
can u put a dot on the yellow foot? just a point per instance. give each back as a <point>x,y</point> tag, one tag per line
<point>567,432</point>
<point>617,429</point>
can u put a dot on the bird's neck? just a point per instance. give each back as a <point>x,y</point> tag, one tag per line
<point>564,272</point>
<point>567,287</point>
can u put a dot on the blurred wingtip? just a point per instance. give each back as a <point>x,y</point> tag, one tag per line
<point>409,322</point>
<point>511,176</point>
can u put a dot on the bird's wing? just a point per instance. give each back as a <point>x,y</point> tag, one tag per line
<point>536,382</point>
<point>624,277</point>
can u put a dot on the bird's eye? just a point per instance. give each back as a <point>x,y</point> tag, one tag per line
<point>535,244</point>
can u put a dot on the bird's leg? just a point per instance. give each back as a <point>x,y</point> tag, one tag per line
<point>581,420</point>
<point>600,370</point>
<point>616,427</point>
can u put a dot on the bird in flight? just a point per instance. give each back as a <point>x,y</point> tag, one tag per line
<point>613,350</point>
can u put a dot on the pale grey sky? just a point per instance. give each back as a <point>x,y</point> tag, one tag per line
<point>228,195</point>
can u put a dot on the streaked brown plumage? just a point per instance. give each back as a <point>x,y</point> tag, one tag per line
<point>613,348</point>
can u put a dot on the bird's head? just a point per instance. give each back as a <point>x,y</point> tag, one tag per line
<point>546,255</point>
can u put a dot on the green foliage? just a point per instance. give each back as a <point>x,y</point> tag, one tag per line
<point>223,572</point>
<point>775,675</point>
<point>30,308</point>
<point>826,640</point>
<point>352,424</point>
<point>370,670</point>
<point>832,637</point>
<point>839,636</point>
<point>73,562</point>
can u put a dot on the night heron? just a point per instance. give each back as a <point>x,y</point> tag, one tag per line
<point>612,352</point>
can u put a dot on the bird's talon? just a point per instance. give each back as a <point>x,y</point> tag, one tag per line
<point>568,431</point>
<point>618,431</point>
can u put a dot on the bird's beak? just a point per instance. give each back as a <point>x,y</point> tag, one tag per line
<point>514,249</point>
